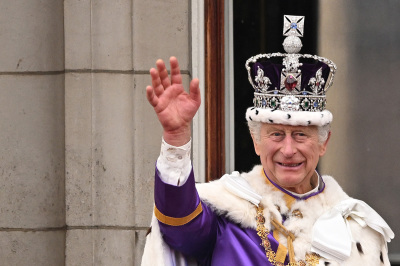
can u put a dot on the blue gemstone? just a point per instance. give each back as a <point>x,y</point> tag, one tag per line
<point>293,25</point>
<point>315,104</point>
<point>304,92</point>
<point>275,92</point>
<point>264,103</point>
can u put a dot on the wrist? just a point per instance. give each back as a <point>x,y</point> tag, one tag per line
<point>177,137</point>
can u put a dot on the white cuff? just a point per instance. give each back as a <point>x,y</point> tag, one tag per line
<point>174,164</point>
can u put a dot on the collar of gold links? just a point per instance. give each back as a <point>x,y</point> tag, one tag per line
<point>262,232</point>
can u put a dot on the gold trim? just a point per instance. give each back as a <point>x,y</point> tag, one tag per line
<point>311,259</point>
<point>281,253</point>
<point>177,221</point>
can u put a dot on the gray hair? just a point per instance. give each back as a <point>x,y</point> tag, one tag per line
<point>255,130</point>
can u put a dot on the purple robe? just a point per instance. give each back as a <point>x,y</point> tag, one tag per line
<point>209,238</point>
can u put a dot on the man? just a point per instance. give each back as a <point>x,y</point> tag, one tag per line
<point>282,212</point>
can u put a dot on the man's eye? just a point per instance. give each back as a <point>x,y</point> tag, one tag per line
<point>300,135</point>
<point>276,134</point>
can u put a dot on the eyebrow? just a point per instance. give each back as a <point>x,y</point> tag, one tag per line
<point>295,129</point>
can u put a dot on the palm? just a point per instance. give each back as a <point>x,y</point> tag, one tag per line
<point>175,108</point>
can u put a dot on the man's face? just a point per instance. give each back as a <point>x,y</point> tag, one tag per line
<point>290,154</point>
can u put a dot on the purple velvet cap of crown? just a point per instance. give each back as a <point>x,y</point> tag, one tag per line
<point>273,72</point>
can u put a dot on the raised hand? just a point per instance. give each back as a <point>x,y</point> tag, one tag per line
<point>174,107</point>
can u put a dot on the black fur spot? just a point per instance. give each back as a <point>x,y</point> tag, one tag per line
<point>250,118</point>
<point>252,108</point>
<point>273,110</point>
<point>288,116</point>
<point>271,121</point>
<point>359,247</point>
<point>327,263</point>
<point>309,122</point>
<point>381,257</point>
<point>256,112</point>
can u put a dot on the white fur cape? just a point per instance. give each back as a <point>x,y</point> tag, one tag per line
<point>369,247</point>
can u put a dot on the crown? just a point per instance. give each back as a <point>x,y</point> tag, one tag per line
<point>291,85</point>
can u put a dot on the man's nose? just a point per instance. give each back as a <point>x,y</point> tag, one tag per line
<point>289,146</point>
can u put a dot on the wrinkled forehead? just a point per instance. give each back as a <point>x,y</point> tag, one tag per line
<point>267,127</point>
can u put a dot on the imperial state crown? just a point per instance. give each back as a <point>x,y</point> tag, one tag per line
<point>291,91</point>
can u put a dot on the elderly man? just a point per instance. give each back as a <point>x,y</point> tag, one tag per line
<point>282,212</point>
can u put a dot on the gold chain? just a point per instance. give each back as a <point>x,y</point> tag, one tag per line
<point>262,232</point>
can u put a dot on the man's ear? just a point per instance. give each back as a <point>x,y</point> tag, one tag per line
<point>324,146</point>
<point>256,145</point>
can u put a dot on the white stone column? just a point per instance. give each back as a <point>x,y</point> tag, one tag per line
<point>112,134</point>
<point>99,132</point>
<point>32,198</point>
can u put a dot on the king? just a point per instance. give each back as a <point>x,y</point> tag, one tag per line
<point>283,212</point>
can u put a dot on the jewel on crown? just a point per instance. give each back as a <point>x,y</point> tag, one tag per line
<point>297,90</point>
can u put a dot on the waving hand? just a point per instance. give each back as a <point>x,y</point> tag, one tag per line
<point>175,108</point>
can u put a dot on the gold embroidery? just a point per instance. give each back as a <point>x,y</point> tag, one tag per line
<point>262,232</point>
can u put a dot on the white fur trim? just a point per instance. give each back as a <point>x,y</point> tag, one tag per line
<point>293,118</point>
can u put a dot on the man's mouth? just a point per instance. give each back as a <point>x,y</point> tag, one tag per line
<point>290,164</point>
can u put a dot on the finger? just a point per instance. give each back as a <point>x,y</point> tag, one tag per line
<point>194,90</point>
<point>151,97</point>
<point>156,82</point>
<point>176,77</point>
<point>163,72</point>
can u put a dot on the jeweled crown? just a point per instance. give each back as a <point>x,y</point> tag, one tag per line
<point>291,86</point>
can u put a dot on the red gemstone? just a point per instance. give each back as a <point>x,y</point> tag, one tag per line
<point>290,82</point>
<point>266,244</point>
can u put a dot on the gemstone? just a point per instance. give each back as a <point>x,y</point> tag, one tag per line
<point>315,104</point>
<point>289,103</point>
<point>266,243</point>
<point>290,82</point>
<point>306,104</point>
<point>273,103</point>
<point>304,93</point>
<point>293,25</point>
<point>261,219</point>
<point>264,103</point>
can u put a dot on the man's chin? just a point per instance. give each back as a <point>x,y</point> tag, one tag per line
<point>289,181</point>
